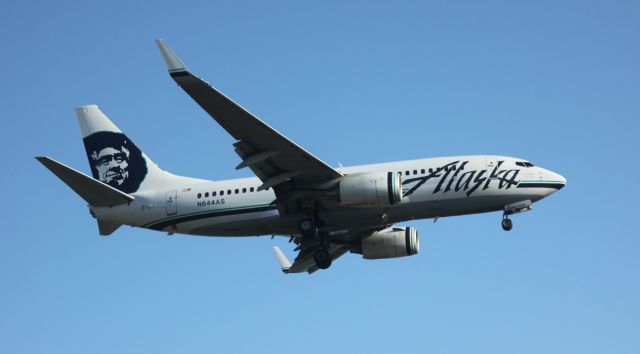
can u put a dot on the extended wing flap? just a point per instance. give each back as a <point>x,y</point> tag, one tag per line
<point>94,192</point>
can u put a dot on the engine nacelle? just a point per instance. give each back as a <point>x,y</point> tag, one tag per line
<point>370,189</point>
<point>391,243</point>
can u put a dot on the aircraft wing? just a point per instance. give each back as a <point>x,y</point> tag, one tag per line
<point>306,247</point>
<point>276,160</point>
<point>304,261</point>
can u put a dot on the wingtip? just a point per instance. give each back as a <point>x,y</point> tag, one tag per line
<point>171,60</point>
<point>284,262</point>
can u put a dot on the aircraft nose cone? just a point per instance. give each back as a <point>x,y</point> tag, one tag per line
<point>561,181</point>
<point>554,181</point>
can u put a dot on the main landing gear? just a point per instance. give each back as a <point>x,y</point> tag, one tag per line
<point>507,224</point>
<point>308,228</point>
<point>322,258</point>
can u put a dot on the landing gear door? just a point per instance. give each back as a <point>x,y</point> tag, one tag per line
<point>171,203</point>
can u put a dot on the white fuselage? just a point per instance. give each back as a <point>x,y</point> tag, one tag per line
<point>433,187</point>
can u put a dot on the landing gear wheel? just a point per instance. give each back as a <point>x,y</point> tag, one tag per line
<point>322,258</point>
<point>507,224</point>
<point>307,228</point>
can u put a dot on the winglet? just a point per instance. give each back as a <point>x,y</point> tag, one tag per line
<point>174,64</point>
<point>285,264</point>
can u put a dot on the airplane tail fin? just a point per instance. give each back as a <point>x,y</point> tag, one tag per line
<point>114,159</point>
<point>118,167</point>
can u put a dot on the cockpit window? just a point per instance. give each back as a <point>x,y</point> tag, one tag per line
<point>524,164</point>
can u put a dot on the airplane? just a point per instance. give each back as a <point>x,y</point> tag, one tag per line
<point>325,211</point>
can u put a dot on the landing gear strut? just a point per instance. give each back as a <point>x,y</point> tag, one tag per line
<point>308,228</point>
<point>514,208</point>
<point>507,224</point>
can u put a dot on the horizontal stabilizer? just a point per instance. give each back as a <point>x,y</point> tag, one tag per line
<point>93,191</point>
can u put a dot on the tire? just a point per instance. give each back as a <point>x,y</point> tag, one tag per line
<point>322,258</point>
<point>307,228</point>
<point>507,224</point>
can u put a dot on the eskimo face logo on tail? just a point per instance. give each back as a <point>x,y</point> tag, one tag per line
<point>115,160</point>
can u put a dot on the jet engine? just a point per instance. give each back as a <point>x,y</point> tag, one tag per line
<point>390,243</point>
<point>370,189</point>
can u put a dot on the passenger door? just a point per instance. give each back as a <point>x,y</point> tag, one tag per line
<point>171,203</point>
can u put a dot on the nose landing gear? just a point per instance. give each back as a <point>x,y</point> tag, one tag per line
<point>507,224</point>
<point>514,208</point>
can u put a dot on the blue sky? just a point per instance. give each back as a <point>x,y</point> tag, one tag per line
<point>556,82</point>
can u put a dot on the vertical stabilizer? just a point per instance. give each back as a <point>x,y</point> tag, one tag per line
<point>113,157</point>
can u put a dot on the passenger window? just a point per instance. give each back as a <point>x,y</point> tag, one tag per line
<point>199,195</point>
<point>406,173</point>
<point>237,191</point>
<point>251,189</point>
<point>415,172</point>
<point>213,194</point>
<point>431,170</point>
<point>422,171</point>
<point>206,195</point>
<point>228,191</point>
<point>221,192</point>
<point>244,190</point>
